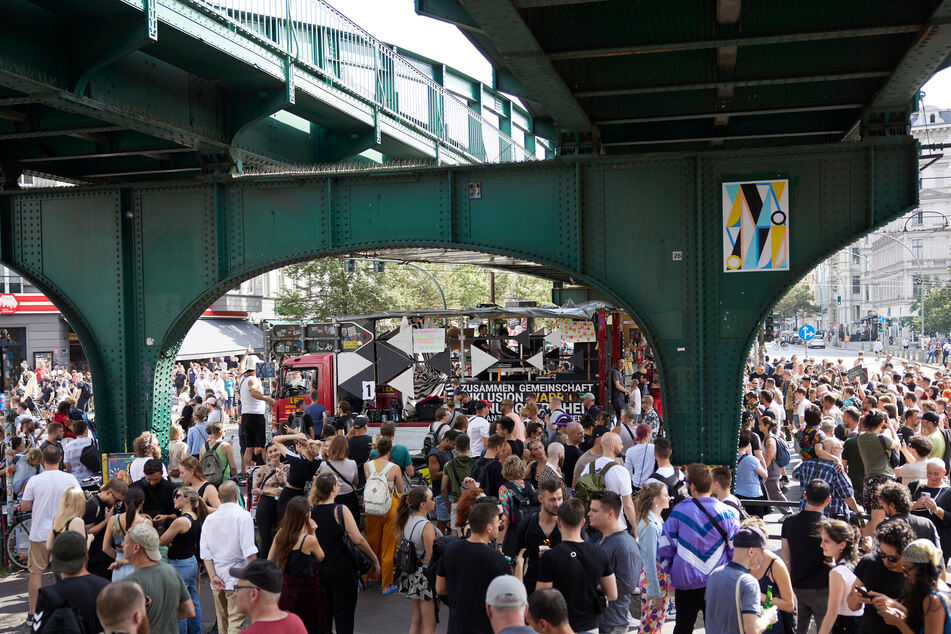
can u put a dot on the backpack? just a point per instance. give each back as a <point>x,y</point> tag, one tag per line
<point>439,547</point>
<point>782,451</point>
<point>376,493</point>
<point>210,465</point>
<point>523,503</point>
<point>480,469</point>
<point>296,422</point>
<point>89,457</point>
<point>85,391</point>
<point>63,619</point>
<point>406,561</point>
<point>675,489</point>
<point>591,482</point>
<point>432,438</point>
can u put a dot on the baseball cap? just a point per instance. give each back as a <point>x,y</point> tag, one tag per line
<point>262,573</point>
<point>598,431</point>
<point>480,405</point>
<point>360,421</point>
<point>145,536</point>
<point>749,537</point>
<point>931,417</point>
<point>587,395</point>
<point>69,552</point>
<point>506,591</point>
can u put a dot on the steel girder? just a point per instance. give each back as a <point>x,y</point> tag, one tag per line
<point>150,259</point>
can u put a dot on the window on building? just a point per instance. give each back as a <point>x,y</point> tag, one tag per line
<point>855,255</point>
<point>916,248</point>
<point>918,218</point>
<point>856,285</point>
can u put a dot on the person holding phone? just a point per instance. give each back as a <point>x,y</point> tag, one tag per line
<point>878,575</point>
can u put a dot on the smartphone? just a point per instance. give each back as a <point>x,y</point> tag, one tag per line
<point>863,592</point>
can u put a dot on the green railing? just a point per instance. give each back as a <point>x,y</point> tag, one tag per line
<point>319,38</point>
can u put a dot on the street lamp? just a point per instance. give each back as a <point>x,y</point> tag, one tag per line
<point>922,212</point>
<point>920,276</point>
<point>415,266</point>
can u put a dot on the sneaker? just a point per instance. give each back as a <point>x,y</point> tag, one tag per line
<point>29,621</point>
<point>784,480</point>
<point>388,590</point>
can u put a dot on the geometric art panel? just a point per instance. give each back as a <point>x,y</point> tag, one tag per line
<point>756,226</point>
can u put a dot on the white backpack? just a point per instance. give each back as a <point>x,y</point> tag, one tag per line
<point>376,494</point>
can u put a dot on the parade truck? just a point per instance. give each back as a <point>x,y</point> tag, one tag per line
<point>400,365</point>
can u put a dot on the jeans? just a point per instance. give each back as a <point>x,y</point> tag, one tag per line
<point>810,603</point>
<point>188,569</point>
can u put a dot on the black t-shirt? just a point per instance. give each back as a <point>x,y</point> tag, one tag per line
<point>159,499</point>
<point>79,592</point>
<point>587,443</point>
<point>594,411</point>
<point>469,568</point>
<point>873,574</point>
<point>492,480</point>
<point>360,448</point>
<point>807,569</point>
<point>575,569</point>
<point>179,381</point>
<point>568,467</point>
<point>300,470</point>
<point>530,536</point>
<point>95,513</point>
<point>756,444</point>
<point>518,447</point>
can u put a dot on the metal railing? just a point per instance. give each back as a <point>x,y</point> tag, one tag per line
<point>318,37</point>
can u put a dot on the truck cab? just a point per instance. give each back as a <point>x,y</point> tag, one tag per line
<point>298,377</point>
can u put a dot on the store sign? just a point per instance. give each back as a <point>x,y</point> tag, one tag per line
<point>493,393</point>
<point>8,304</point>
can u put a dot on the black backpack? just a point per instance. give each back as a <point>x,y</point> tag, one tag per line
<point>406,561</point>
<point>479,472</point>
<point>524,503</point>
<point>675,489</point>
<point>63,619</point>
<point>432,439</point>
<point>439,547</point>
<point>90,458</point>
<point>295,423</point>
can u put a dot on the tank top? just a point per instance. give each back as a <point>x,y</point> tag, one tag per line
<point>249,404</point>
<point>849,577</point>
<point>66,526</point>
<point>299,563</point>
<point>413,531</point>
<point>329,534</point>
<point>184,544</point>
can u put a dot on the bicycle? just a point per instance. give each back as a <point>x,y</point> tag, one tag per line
<point>17,539</point>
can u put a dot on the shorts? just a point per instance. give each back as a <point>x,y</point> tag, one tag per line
<point>252,426</point>
<point>870,497</point>
<point>442,515</point>
<point>39,558</point>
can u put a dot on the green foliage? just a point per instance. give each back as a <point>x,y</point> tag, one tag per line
<point>324,290</point>
<point>937,307</point>
<point>796,302</point>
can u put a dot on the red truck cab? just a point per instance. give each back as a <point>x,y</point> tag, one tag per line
<point>299,376</point>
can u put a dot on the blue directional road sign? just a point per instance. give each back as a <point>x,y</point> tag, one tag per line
<point>807,332</point>
<point>881,319</point>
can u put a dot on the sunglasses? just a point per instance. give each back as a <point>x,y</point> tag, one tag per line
<point>891,558</point>
<point>178,495</point>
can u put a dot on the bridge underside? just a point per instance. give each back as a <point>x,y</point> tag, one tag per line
<point>647,232</point>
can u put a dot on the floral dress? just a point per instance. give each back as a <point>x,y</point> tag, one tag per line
<point>547,474</point>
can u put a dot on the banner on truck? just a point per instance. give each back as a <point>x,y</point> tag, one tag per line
<point>493,393</point>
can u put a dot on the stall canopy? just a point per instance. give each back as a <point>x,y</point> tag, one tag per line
<point>220,337</point>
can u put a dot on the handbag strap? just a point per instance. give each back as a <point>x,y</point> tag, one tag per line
<point>596,583</point>
<point>716,524</point>
<point>342,477</point>
<point>739,614</point>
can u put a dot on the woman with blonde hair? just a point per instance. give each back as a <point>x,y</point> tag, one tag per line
<point>144,447</point>
<point>69,515</point>
<point>379,528</point>
<point>412,524</point>
<point>513,470</point>
<point>193,476</point>
<point>181,537</point>
<point>177,450</point>
<point>266,486</point>
<point>336,461</point>
<point>296,551</point>
<point>654,581</point>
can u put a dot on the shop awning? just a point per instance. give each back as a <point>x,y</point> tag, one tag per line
<point>220,337</point>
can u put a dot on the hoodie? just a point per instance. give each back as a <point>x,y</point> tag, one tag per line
<point>458,469</point>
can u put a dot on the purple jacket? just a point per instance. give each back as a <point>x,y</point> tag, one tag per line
<point>693,545</point>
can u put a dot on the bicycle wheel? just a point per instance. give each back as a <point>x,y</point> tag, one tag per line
<point>18,543</point>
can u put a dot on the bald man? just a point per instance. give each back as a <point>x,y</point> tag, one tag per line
<point>617,478</point>
<point>575,434</point>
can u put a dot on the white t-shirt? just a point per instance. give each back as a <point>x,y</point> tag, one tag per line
<point>801,411</point>
<point>478,427</point>
<point>639,461</point>
<point>442,427</point>
<point>912,471</point>
<point>249,404</point>
<point>635,401</point>
<point>137,468</point>
<point>45,489</point>
<point>617,479</point>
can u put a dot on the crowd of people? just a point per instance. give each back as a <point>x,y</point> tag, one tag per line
<point>531,521</point>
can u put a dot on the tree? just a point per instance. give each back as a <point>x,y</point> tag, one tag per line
<point>321,289</point>
<point>937,307</point>
<point>796,302</point>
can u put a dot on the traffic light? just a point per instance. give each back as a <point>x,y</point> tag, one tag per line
<point>838,300</point>
<point>769,329</point>
<point>378,267</point>
<point>350,266</point>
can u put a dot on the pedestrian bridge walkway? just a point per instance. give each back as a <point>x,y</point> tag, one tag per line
<point>124,89</point>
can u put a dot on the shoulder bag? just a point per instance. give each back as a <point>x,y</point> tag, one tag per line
<point>360,562</point>
<point>716,524</point>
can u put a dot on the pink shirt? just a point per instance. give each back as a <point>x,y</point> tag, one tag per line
<point>290,624</point>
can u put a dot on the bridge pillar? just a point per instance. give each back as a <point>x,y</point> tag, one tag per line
<point>133,268</point>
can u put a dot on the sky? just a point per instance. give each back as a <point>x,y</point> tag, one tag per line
<point>396,22</point>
